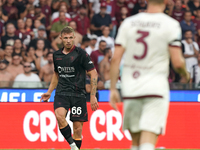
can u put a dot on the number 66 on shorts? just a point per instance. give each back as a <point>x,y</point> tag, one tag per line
<point>77,105</point>
<point>76,110</point>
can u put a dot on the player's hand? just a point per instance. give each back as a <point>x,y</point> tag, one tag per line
<point>93,103</point>
<point>114,98</point>
<point>45,97</point>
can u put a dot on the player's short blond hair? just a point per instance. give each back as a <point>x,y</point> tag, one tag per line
<point>67,29</point>
<point>156,1</point>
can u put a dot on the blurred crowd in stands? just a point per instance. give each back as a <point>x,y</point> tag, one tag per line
<point>30,30</point>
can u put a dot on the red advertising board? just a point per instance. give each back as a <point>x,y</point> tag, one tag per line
<point>33,125</point>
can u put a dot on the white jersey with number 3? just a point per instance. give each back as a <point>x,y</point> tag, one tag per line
<point>146,38</point>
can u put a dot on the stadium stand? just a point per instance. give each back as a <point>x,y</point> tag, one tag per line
<point>30,29</point>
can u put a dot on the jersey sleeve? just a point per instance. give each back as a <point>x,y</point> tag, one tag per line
<point>54,62</point>
<point>121,38</point>
<point>174,35</point>
<point>87,62</point>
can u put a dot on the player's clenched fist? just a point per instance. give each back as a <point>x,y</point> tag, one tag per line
<point>45,97</point>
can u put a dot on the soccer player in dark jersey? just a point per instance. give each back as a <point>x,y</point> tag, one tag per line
<point>70,66</point>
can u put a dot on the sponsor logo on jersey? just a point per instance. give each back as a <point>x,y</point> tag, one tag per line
<point>66,76</point>
<point>66,69</point>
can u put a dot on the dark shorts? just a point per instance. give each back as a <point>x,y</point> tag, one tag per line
<point>77,106</point>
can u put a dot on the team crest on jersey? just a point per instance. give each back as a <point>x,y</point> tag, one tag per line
<point>136,74</point>
<point>72,58</point>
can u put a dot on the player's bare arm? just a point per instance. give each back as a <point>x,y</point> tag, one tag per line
<point>93,82</point>
<point>178,62</point>
<point>114,72</point>
<point>54,82</point>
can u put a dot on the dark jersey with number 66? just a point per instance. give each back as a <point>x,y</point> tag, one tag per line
<point>71,69</point>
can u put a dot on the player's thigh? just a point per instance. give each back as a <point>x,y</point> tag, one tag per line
<point>132,112</point>
<point>78,109</point>
<point>61,105</point>
<point>60,113</point>
<point>154,115</point>
<point>135,138</point>
<point>61,101</point>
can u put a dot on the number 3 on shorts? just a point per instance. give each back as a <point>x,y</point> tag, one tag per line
<point>77,110</point>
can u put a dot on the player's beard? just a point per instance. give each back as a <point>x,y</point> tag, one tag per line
<point>69,47</point>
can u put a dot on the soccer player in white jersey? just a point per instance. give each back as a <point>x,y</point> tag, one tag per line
<point>148,41</point>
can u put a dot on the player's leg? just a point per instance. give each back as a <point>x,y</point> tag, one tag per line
<point>135,140</point>
<point>78,115</point>
<point>148,137</point>
<point>60,114</point>
<point>153,121</point>
<point>77,135</point>
<point>147,140</point>
<point>132,112</point>
<point>64,127</point>
<point>60,108</point>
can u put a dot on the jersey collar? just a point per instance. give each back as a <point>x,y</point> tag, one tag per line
<point>69,51</point>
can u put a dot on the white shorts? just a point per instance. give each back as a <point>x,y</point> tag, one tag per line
<point>146,114</point>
